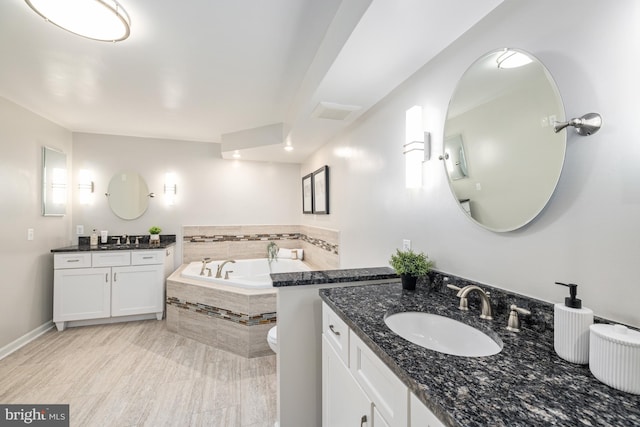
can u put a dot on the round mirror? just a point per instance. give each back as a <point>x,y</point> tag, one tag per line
<point>501,154</point>
<point>128,195</point>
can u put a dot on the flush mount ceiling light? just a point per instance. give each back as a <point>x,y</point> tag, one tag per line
<point>512,59</point>
<point>102,20</point>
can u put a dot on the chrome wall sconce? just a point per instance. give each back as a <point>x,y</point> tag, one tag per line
<point>170,188</point>
<point>86,187</point>
<point>416,148</point>
<point>586,125</point>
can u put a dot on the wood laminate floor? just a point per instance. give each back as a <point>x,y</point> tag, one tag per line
<point>140,374</point>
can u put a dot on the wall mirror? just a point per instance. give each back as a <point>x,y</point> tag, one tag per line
<point>54,182</point>
<point>502,156</point>
<point>128,195</point>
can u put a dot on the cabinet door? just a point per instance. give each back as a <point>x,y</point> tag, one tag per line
<point>81,293</point>
<point>421,416</point>
<point>344,404</point>
<point>137,290</point>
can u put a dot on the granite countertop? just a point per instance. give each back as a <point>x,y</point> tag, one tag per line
<point>166,240</point>
<point>332,276</point>
<point>526,384</point>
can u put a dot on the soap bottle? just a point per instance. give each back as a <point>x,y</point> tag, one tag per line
<point>571,327</point>
<point>93,240</point>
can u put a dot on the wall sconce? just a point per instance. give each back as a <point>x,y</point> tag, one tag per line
<point>86,187</point>
<point>170,188</point>
<point>416,148</point>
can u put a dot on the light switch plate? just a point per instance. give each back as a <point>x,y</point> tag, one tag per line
<point>406,245</point>
<point>29,233</point>
<point>79,229</point>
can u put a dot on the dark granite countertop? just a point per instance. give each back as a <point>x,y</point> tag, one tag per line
<point>332,276</point>
<point>526,384</point>
<point>166,240</point>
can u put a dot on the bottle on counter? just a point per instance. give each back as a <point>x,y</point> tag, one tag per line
<point>571,323</point>
<point>93,239</point>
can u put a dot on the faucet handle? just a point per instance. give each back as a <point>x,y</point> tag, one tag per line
<point>513,324</point>
<point>226,274</point>
<point>208,270</point>
<point>454,287</point>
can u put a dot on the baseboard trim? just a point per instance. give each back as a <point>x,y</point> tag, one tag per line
<point>25,339</point>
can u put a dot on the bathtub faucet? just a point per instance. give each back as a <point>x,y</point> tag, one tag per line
<point>219,270</point>
<point>204,265</point>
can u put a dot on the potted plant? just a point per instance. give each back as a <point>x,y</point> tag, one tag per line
<point>154,235</point>
<point>410,265</point>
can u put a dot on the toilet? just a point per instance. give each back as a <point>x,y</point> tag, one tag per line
<point>272,339</point>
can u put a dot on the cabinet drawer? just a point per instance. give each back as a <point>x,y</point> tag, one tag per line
<point>382,386</point>
<point>72,260</point>
<point>110,259</point>
<point>336,332</point>
<point>147,257</point>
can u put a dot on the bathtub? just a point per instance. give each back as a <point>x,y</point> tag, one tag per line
<point>245,273</point>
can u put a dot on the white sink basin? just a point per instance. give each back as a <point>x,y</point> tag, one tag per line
<point>442,334</point>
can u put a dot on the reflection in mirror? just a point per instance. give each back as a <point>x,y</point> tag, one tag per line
<point>499,137</point>
<point>54,182</point>
<point>455,158</point>
<point>128,195</point>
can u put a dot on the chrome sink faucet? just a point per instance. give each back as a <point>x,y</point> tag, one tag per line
<point>219,270</point>
<point>204,265</point>
<point>484,298</point>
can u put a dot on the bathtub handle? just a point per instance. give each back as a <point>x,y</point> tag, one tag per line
<point>333,330</point>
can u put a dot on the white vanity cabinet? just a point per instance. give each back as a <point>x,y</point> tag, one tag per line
<point>110,286</point>
<point>358,389</point>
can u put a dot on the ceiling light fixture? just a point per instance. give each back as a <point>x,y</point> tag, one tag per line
<point>512,59</point>
<point>288,147</point>
<point>102,20</point>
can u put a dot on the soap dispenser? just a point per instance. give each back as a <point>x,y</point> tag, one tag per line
<point>93,240</point>
<point>571,324</point>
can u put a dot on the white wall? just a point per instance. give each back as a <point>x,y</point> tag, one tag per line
<point>210,191</point>
<point>26,288</point>
<point>590,231</point>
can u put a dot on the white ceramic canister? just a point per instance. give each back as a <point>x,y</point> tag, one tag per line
<point>614,356</point>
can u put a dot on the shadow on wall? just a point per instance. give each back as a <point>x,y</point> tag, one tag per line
<point>321,248</point>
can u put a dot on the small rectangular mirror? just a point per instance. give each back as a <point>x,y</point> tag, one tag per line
<point>54,182</point>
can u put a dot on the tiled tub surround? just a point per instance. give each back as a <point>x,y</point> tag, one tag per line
<point>232,319</point>
<point>526,384</point>
<point>321,246</point>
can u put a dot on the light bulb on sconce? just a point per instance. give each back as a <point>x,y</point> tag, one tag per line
<point>416,147</point>
<point>170,188</point>
<point>86,187</point>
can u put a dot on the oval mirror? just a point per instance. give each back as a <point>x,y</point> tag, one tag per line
<point>502,157</point>
<point>128,195</point>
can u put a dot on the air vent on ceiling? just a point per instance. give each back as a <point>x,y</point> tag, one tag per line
<point>333,111</point>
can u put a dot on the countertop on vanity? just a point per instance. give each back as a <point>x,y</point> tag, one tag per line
<point>526,384</point>
<point>166,240</point>
<point>319,277</point>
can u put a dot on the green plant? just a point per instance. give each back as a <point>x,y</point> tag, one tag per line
<point>155,230</point>
<point>410,263</point>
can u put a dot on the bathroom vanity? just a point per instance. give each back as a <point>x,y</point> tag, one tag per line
<point>387,379</point>
<point>108,284</point>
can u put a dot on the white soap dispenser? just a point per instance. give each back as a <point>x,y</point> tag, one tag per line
<point>571,324</point>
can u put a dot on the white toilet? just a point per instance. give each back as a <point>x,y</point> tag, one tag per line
<point>272,339</point>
